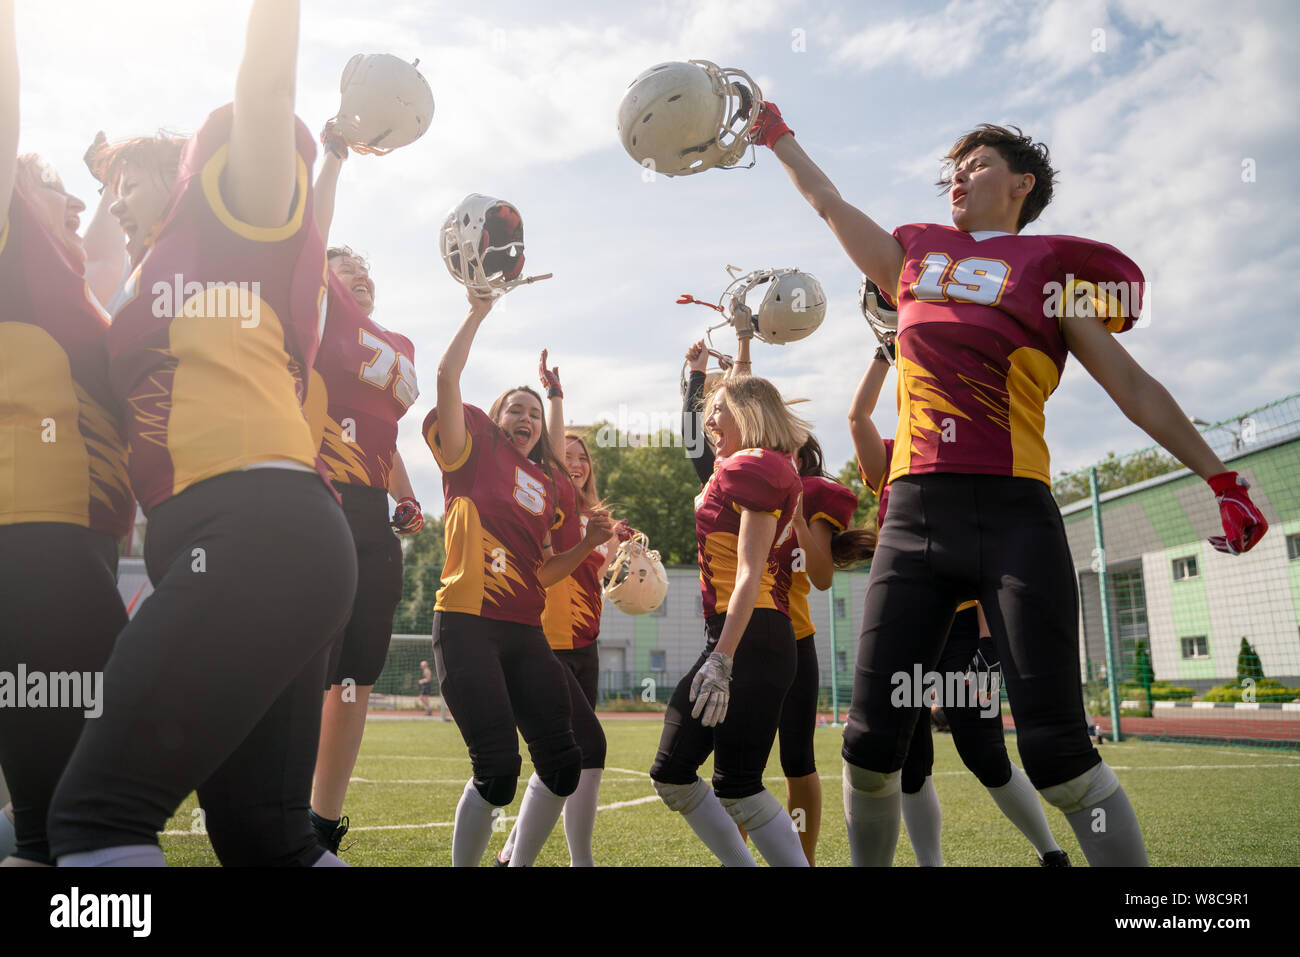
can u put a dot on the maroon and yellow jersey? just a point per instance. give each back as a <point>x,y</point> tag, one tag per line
<point>980,345</point>
<point>500,507</point>
<point>571,618</point>
<point>834,504</point>
<point>362,384</point>
<point>210,350</point>
<point>756,479</point>
<point>62,454</point>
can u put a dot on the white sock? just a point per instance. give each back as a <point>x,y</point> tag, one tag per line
<point>1109,833</point>
<point>580,818</point>
<point>125,855</point>
<point>538,815</point>
<point>776,839</point>
<point>329,860</point>
<point>924,821</point>
<point>871,812</point>
<point>509,848</point>
<point>1018,800</point>
<point>8,839</point>
<point>473,830</point>
<point>707,818</point>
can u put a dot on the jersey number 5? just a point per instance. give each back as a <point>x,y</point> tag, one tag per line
<point>529,492</point>
<point>972,279</point>
<point>378,372</point>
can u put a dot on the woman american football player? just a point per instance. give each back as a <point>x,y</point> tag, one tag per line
<point>64,496</point>
<point>809,557</point>
<point>502,483</point>
<point>977,734</point>
<point>215,683</point>
<point>982,342</point>
<point>361,385</point>
<point>571,621</point>
<point>744,514</point>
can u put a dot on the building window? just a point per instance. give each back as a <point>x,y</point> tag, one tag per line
<point>1197,647</point>
<point>1293,547</point>
<point>662,610</point>
<point>1185,568</point>
<point>841,662</point>
<point>841,610</point>
<point>658,661</point>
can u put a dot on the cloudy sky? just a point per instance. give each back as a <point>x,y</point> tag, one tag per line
<point>1173,125</point>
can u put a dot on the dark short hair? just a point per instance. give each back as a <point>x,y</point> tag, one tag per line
<point>1022,155</point>
<point>334,252</point>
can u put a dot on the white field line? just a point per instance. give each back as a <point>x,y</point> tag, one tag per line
<point>503,819</point>
<point>457,781</point>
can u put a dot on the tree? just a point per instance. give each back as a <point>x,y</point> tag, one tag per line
<point>1113,472</point>
<point>651,483</point>
<point>1248,663</point>
<point>423,555</point>
<point>864,516</point>
<point>1145,673</point>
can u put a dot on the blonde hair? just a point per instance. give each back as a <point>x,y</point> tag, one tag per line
<point>765,420</point>
<point>587,496</point>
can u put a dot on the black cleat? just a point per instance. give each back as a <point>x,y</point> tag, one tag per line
<point>1054,859</point>
<point>330,839</point>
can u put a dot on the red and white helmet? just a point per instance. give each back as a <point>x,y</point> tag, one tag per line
<point>390,100</point>
<point>636,582</point>
<point>482,243</point>
<point>682,118</point>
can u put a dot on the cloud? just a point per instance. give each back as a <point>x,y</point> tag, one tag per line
<point>937,46</point>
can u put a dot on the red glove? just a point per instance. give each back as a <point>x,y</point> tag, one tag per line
<point>550,379</point>
<point>624,531</point>
<point>1243,524</point>
<point>408,518</point>
<point>333,140</point>
<point>769,127</point>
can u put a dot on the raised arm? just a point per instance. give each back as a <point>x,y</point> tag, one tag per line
<point>8,105</point>
<point>867,443</point>
<point>555,399</point>
<point>693,438</point>
<point>262,161</point>
<point>872,249</point>
<point>334,140</point>
<point>451,411</point>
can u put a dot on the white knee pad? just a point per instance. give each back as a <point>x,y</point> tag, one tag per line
<point>1087,790</point>
<point>683,798</point>
<point>874,784</point>
<point>754,811</point>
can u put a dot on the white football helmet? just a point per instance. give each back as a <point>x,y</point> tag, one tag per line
<point>636,582</point>
<point>682,118</point>
<point>882,319</point>
<point>793,305</point>
<point>390,99</point>
<point>482,243</point>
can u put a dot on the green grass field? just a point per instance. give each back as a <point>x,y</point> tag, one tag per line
<point>1199,805</point>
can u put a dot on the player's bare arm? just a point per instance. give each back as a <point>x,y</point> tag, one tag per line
<point>451,414</point>
<point>815,540</point>
<point>8,103</point>
<point>399,482</point>
<point>1145,401</point>
<point>550,378</point>
<point>867,442</point>
<point>753,545</point>
<point>556,568</point>
<point>262,166</point>
<point>871,247</point>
